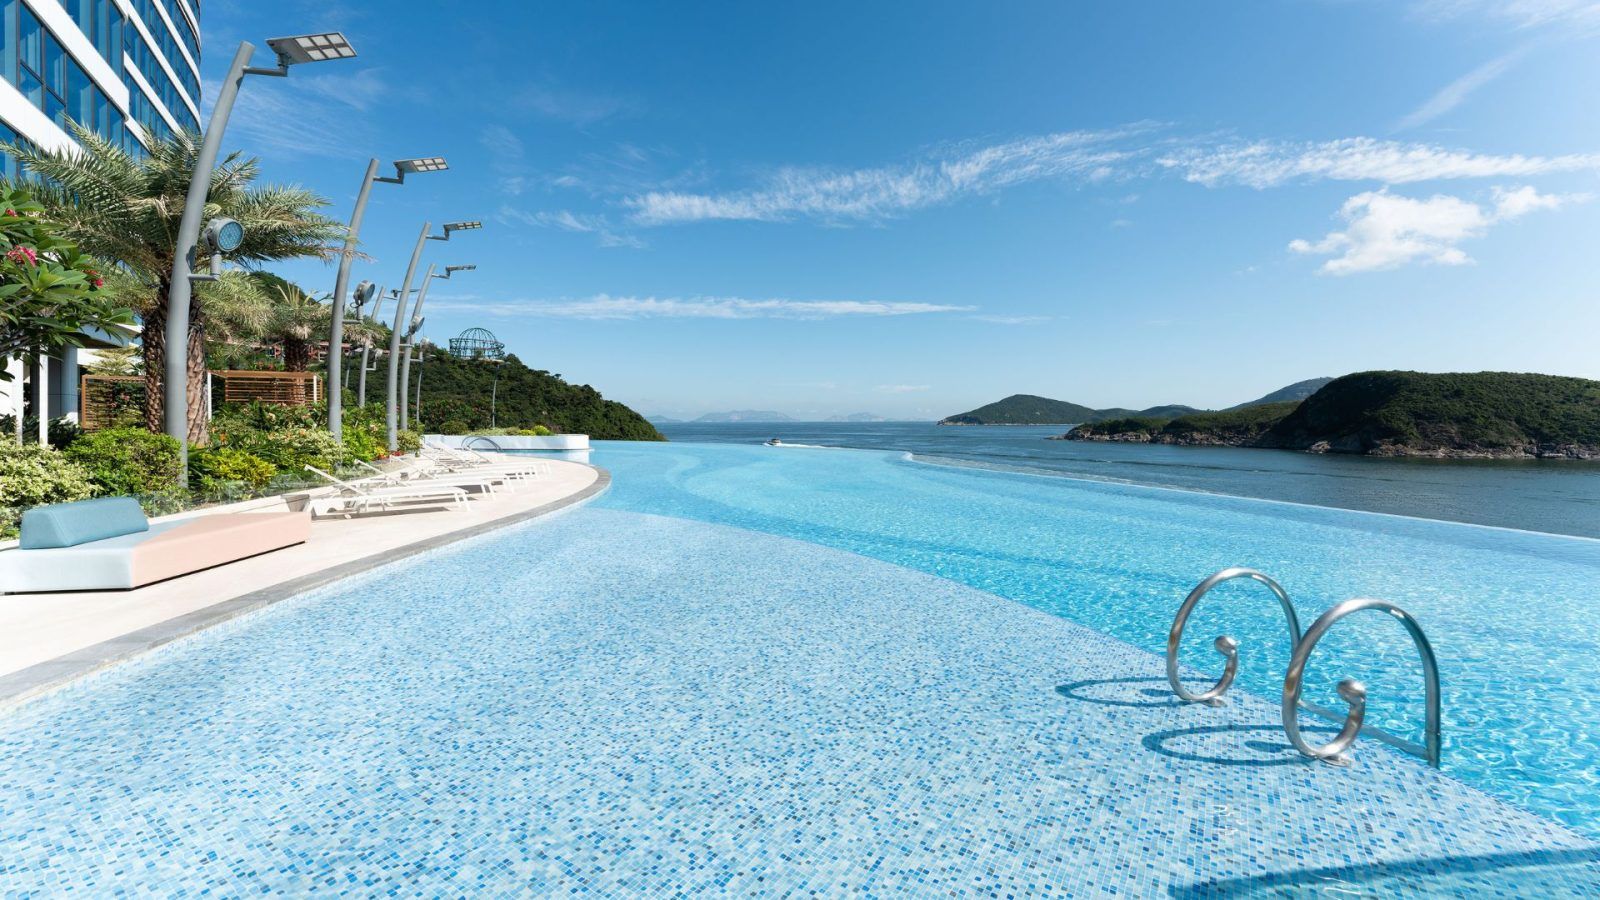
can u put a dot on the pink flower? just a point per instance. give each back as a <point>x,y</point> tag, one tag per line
<point>20,254</point>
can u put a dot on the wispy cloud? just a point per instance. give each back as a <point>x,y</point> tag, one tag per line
<point>331,112</point>
<point>1386,231</point>
<point>1265,164</point>
<point>605,306</point>
<point>879,193</point>
<point>1518,13</point>
<point>902,388</point>
<point>566,220</point>
<point>1456,92</point>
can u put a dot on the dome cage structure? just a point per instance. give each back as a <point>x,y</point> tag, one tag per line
<point>477,343</point>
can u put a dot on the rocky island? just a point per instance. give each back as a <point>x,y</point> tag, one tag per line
<point>1479,415</point>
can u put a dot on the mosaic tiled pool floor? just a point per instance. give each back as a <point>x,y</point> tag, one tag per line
<point>620,704</point>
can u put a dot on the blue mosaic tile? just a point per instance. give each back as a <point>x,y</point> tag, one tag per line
<point>618,704</point>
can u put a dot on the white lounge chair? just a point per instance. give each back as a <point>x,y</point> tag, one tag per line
<point>469,461</point>
<point>359,499</point>
<point>485,482</point>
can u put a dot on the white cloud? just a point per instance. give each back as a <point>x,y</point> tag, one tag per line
<point>1456,92</point>
<point>902,388</point>
<point>605,306</point>
<point>330,114</point>
<point>1265,164</point>
<point>566,220</point>
<point>878,193</point>
<point>1582,14</point>
<point>1386,231</point>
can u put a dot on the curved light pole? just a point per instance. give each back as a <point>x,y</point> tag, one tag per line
<point>392,413</point>
<point>402,168</point>
<point>175,370</point>
<point>366,349</point>
<point>416,325</point>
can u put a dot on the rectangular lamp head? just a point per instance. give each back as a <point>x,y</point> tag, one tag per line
<point>422,164</point>
<point>305,48</point>
<point>449,269</point>
<point>463,226</point>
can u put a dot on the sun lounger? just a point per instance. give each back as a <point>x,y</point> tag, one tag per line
<point>108,544</point>
<point>484,481</point>
<point>358,499</point>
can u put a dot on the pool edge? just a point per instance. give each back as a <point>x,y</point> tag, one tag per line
<point>42,678</point>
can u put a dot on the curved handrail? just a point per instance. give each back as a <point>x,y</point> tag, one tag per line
<point>1227,646</point>
<point>1355,693</point>
<point>467,444</point>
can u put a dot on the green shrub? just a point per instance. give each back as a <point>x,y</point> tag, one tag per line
<point>63,431</point>
<point>454,426</point>
<point>408,441</point>
<point>360,442</point>
<point>289,449</point>
<point>226,473</point>
<point>128,461</point>
<point>34,476</point>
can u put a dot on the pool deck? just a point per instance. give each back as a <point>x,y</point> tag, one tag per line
<point>47,640</point>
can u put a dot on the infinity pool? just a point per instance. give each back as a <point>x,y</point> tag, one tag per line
<point>760,672</point>
<point>1512,615</point>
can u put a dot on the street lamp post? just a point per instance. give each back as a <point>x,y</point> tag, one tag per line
<point>175,371</point>
<point>416,326</point>
<point>402,168</point>
<point>392,413</point>
<point>366,348</point>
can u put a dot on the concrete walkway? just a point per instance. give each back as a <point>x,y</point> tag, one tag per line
<point>49,639</point>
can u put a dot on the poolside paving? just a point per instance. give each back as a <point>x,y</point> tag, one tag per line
<point>51,637</point>
<point>618,704</point>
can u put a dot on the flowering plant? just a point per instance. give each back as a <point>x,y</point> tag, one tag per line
<point>50,291</point>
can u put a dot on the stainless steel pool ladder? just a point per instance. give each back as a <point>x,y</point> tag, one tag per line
<point>1354,693</point>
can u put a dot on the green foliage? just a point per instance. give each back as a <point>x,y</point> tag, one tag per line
<point>1024,409</point>
<point>127,460</point>
<point>49,289</point>
<point>535,431</point>
<point>226,473</point>
<point>456,399</point>
<point>33,476</point>
<point>62,431</point>
<point>290,448</point>
<point>1227,426</point>
<point>408,440</point>
<point>1375,411</point>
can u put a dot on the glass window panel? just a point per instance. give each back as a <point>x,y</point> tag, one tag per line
<point>55,66</point>
<point>30,41</point>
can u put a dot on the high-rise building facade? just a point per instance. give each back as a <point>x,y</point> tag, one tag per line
<point>127,69</point>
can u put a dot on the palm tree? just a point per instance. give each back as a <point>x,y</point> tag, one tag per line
<point>294,317</point>
<point>126,209</point>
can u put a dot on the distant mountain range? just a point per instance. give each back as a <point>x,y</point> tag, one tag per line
<point>744,415</point>
<point>1027,409</point>
<point>759,416</point>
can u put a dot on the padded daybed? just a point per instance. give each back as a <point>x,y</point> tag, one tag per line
<point>108,544</point>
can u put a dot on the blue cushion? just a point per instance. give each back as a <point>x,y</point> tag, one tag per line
<point>71,524</point>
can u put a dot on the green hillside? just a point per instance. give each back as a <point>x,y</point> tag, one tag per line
<point>1234,427</point>
<point>1387,412</point>
<point>456,392</point>
<point>1297,392</point>
<point>1023,409</point>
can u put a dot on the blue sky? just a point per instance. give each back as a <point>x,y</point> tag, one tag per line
<point>911,210</point>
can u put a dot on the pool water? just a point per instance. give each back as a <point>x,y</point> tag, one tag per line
<point>1511,615</point>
